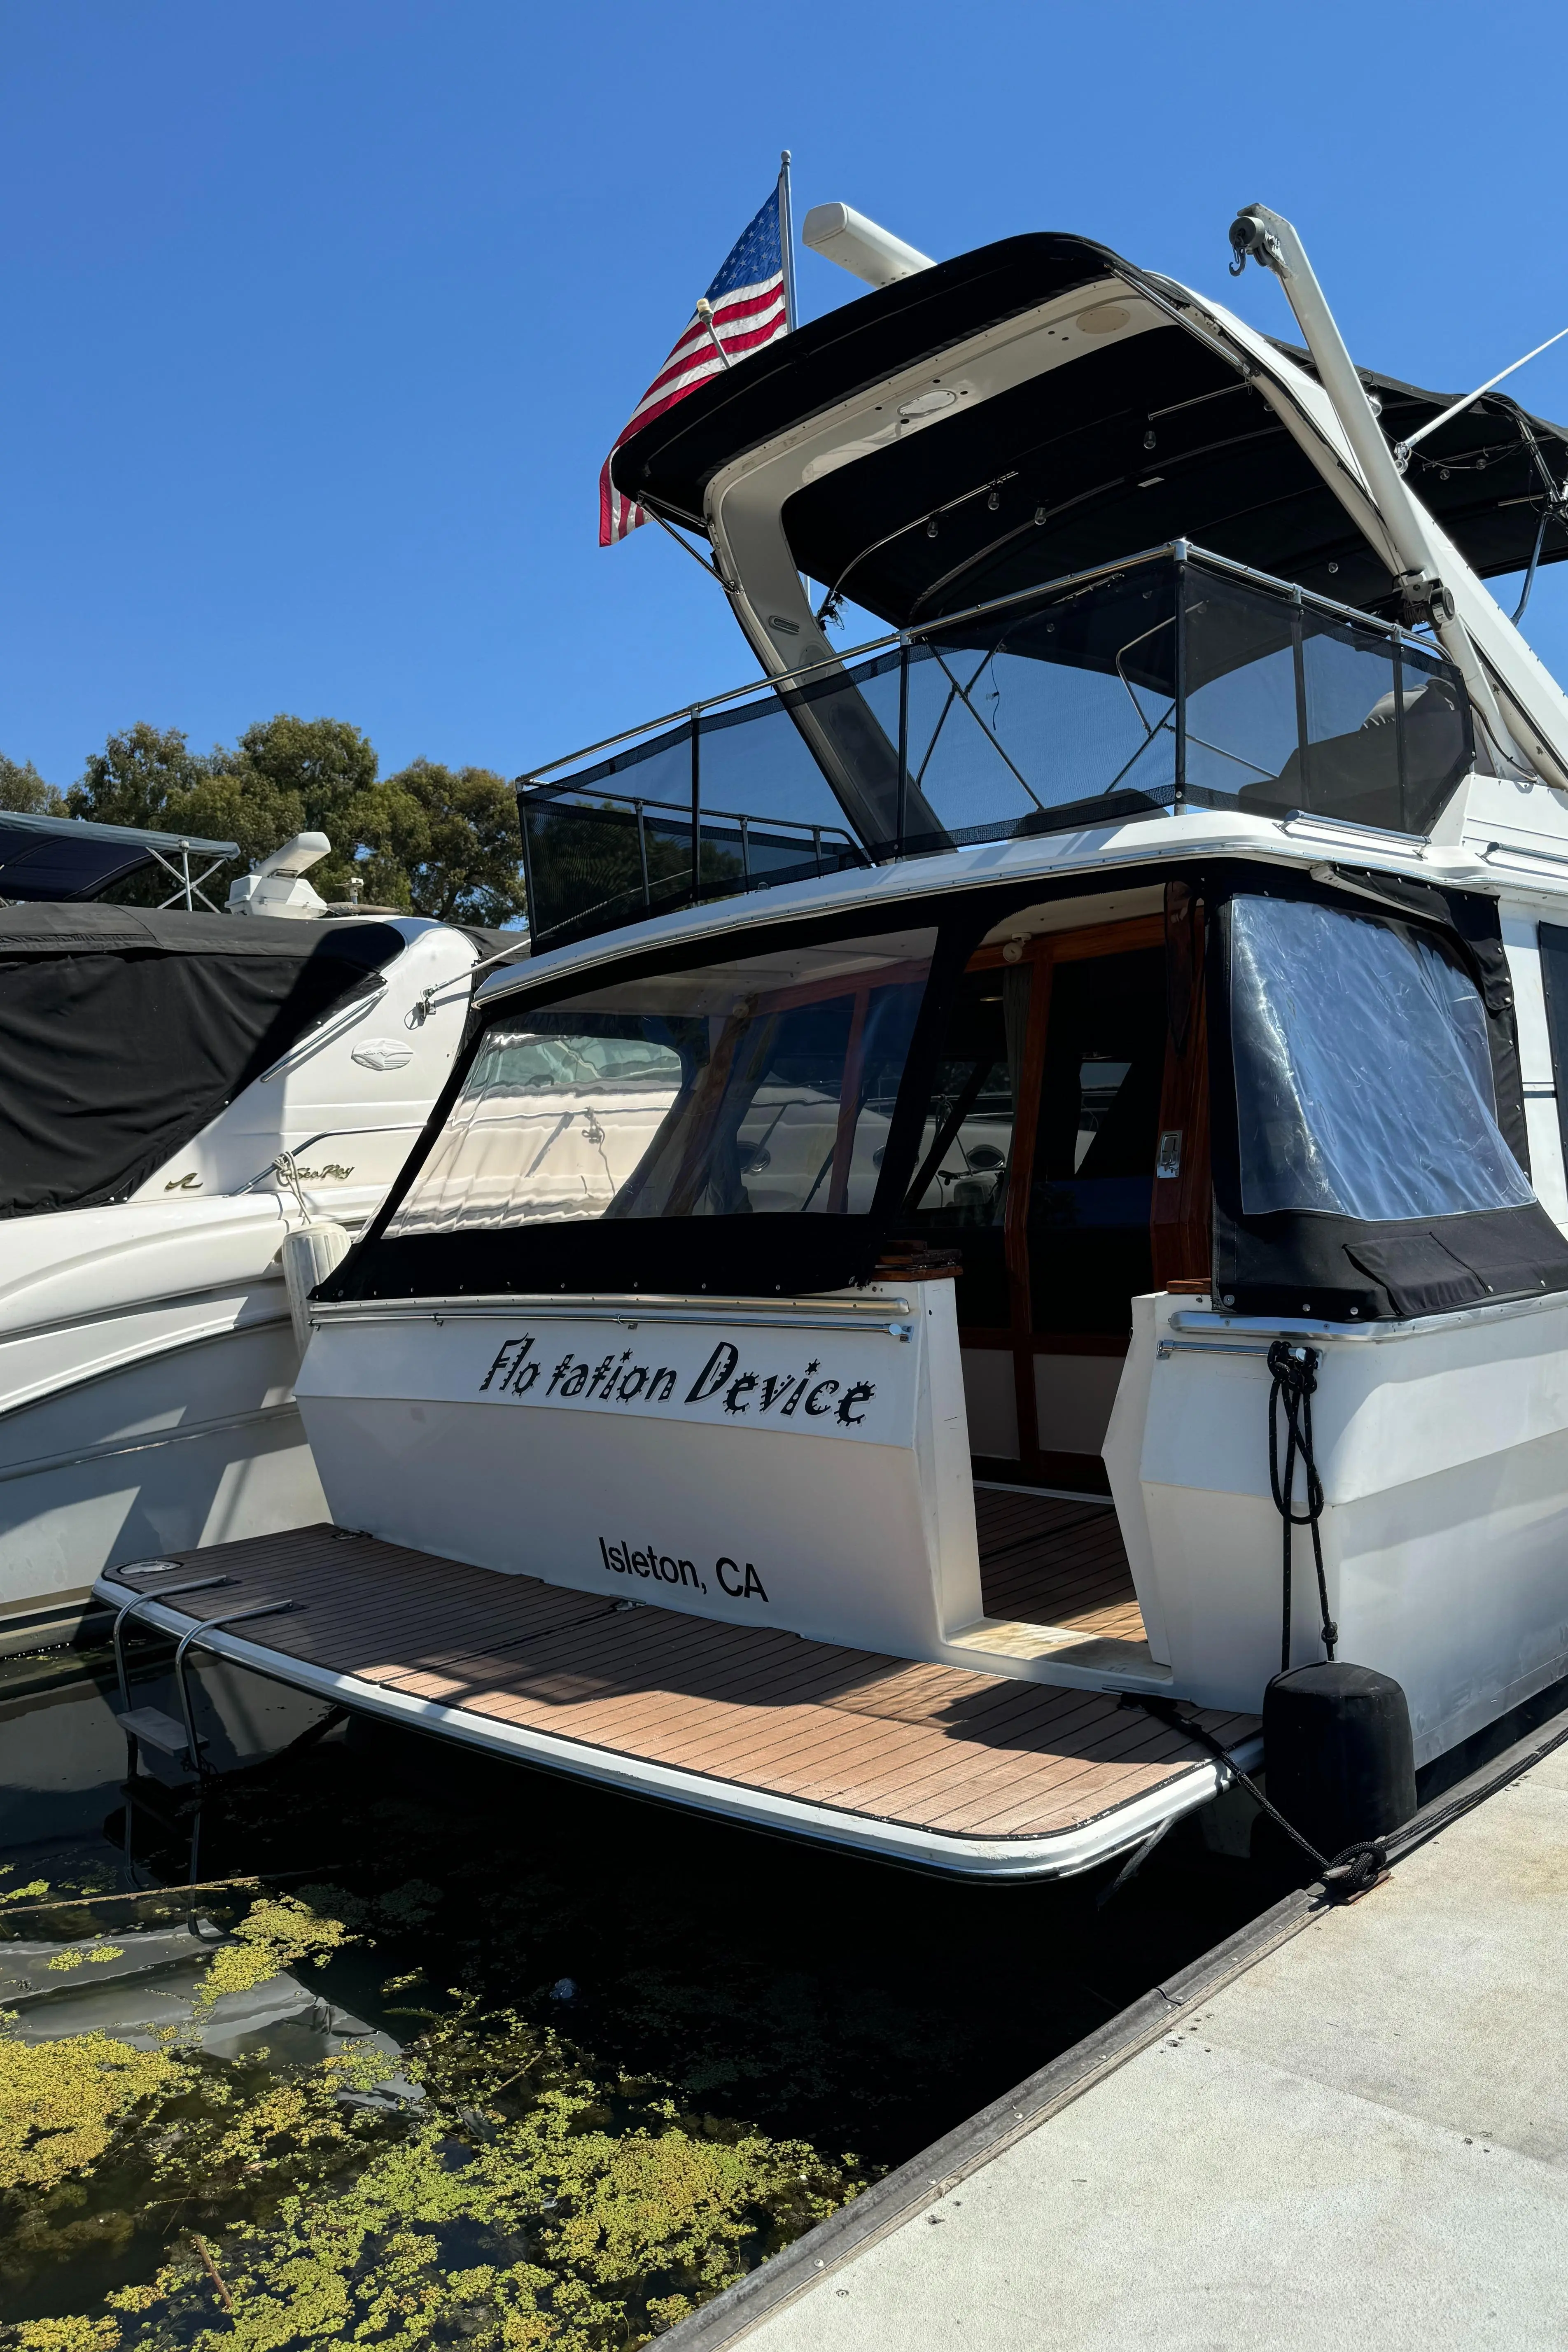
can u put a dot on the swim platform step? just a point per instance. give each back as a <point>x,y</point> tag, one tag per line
<point>964,1772</point>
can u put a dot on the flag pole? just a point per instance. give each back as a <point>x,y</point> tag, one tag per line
<point>786,238</point>
<point>705,318</point>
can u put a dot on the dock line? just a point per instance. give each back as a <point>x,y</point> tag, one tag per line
<point>1351,1872</point>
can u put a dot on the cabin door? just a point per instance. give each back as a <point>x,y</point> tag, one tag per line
<point>1067,1159</point>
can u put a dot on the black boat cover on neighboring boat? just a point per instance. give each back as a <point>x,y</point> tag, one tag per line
<point>1152,437</point>
<point>123,1034</point>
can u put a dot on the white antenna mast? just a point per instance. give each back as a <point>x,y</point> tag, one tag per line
<point>1402,449</point>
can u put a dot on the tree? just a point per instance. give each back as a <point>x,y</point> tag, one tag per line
<point>432,840</point>
<point>150,777</point>
<point>23,789</point>
<point>139,778</point>
<point>444,842</point>
<point>324,768</point>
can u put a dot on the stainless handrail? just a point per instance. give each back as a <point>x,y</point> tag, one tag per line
<point>762,687</point>
<point>210,1625</point>
<point>142,1601</point>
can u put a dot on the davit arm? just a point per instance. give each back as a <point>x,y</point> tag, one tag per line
<point>1524,711</point>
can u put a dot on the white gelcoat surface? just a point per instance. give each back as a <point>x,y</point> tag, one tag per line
<point>120,1329</point>
<point>857,1531</point>
<point>1444,1457</point>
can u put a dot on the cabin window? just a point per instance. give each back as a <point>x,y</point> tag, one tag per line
<point>1094,1153</point>
<point>760,1084</point>
<point>1364,1077</point>
<point>960,1185</point>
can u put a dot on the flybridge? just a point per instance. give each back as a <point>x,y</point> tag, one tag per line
<point>1041,407</point>
<point>1174,680</point>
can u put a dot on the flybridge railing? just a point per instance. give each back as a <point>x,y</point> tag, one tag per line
<point>1172,679</point>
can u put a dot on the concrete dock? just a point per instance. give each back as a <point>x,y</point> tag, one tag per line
<point>1353,2126</point>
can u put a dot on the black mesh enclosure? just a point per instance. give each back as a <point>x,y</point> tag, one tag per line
<point>123,1034</point>
<point>1165,683</point>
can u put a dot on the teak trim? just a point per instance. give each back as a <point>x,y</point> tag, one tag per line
<point>1180,1222</point>
<point>1178,1229</point>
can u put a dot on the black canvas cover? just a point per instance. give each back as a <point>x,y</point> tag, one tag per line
<point>123,1034</point>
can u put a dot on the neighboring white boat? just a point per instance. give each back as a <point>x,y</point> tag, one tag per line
<point>874,1231</point>
<point>178,1092</point>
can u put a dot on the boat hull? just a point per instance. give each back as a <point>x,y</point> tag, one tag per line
<point>1443,1449</point>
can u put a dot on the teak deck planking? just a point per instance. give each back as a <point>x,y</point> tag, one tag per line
<point>936,1746</point>
<point>1044,1560</point>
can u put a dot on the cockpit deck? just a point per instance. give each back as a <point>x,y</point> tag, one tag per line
<point>1057,1561</point>
<point>916,1762</point>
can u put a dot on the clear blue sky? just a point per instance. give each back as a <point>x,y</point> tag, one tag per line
<point>319,318</point>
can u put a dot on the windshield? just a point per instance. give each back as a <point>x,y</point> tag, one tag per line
<point>759,1084</point>
<point>1363,1073</point>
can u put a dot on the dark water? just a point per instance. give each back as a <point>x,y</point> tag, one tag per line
<point>801,1992</point>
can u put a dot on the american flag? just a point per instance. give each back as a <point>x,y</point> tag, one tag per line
<point>749,307</point>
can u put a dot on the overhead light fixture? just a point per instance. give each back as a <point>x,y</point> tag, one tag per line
<point>924,404</point>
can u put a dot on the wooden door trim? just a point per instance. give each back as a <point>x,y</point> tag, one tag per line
<point>1043,953</point>
<point>1125,937</point>
<point>1020,1181</point>
<point>1181,1224</point>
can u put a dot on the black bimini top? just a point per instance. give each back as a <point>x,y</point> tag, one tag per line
<point>59,857</point>
<point>1151,439</point>
<point>123,1034</point>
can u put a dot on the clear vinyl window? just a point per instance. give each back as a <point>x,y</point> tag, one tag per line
<point>1363,1075</point>
<point>758,1084</point>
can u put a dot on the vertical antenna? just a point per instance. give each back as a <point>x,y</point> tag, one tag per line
<point>786,238</point>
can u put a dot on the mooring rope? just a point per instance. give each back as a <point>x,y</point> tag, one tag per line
<point>1350,1872</point>
<point>1294,1370</point>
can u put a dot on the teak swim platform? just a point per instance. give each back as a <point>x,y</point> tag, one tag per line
<point>916,1763</point>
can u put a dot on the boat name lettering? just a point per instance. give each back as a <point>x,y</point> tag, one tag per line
<point>332,1169</point>
<point>616,1380</point>
<point>753,1387</point>
<point>737,1579</point>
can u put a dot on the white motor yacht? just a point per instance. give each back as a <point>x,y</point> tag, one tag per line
<point>179,1091</point>
<point>1021,1191</point>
